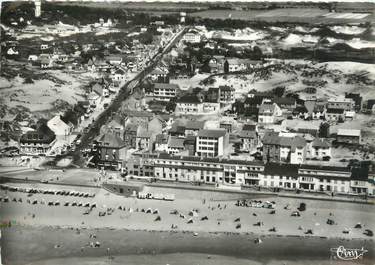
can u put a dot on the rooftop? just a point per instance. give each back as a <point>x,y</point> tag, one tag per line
<point>212,133</point>
<point>349,132</point>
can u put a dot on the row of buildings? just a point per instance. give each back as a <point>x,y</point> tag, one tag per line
<point>356,179</point>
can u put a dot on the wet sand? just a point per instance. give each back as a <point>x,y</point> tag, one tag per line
<point>51,245</point>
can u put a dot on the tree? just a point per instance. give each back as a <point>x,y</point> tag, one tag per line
<point>257,53</point>
<point>279,91</point>
<point>324,130</point>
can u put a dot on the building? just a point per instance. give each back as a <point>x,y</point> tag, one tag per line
<point>164,92</point>
<point>175,145</point>
<point>287,148</point>
<point>130,135</point>
<point>192,37</point>
<point>286,103</point>
<point>112,151</point>
<point>249,140</point>
<point>268,112</point>
<point>335,115</point>
<point>212,143</point>
<point>346,104</point>
<point>59,127</point>
<point>238,65</point>
<point>119,75</point>
<point>319,149</point>
<point>324,178</point>
<point>206,170</point>
<point>270,176</point>
<point>194,105</point>
<point>226,94</point>
<point>348,136</point>
<point>38,142</point>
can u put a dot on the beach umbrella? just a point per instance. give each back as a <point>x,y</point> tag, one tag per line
<point>190,221</point>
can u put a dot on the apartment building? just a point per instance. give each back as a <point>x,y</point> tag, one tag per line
<point>346,104</point>
<point>164,92</point>
<point>212,143</point>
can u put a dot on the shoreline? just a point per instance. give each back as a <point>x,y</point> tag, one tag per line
<point>19,244</point>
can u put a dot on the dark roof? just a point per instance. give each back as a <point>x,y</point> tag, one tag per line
<point>247,134</point>
<point>165,85</point>
<point>249,127</point>
<point>326,168</point>
<point>281,169</point>
<point>42,134</point>
<point>176,142</point>
<point>210,160</point>
<point>335,111</point>
<point>194,125</point>
<point>284,101</point>
<point>111,140</point>
<point>189,99</point>
<point>273,138</point>
<point>320,143</point>
<point>212,133</point>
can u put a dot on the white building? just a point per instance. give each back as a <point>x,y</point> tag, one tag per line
<point>211,143</point>
<point>268,112</point>
<point>192,37</point>
<point>59,127</point>
<point>164,92</point>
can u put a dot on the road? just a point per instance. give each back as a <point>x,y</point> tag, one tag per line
<point>123,94</point>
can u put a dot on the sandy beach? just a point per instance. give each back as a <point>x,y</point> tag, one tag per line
<point>214,226</point>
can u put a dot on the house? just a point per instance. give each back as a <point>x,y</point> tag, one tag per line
<point>33,58</point>
<point>45,63</point>
<point>159,75</point>
<point>37,142</point>
<point>194,105</point>
<point>111,150</point>
<point>100,90</point>
<point>189,128</point>
<point>164,92</point>
<point>44,46</point>
<point>221,94</point>
<point>119,75</point>
<point>212,143</point>
<point>226,125</point>
<point>130,135</point>
<point>314,109</point>
<point>268,112</point>
<point>346,104</point>
<point>286,103</point>
<point>161,143</point>
<point>348,136</point>
<point>59,127</point>
<point>216,64</point>
<point>192,37</point>
<point>335,115</point>
<point>115,126</point>
<point>249,140</point>
<point>278,147</point>
<point>370,106</point>
<point>238,65</point>
<point>114,59</point>
<point>319,149</point>
<point>146,134</point>
<point>175,145</point>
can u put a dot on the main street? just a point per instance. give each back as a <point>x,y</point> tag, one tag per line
<point>124,93</point>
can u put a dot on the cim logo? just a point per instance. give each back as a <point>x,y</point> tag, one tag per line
<point>348,254</point>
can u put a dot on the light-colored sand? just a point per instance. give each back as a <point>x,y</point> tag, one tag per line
<point>219,220</point>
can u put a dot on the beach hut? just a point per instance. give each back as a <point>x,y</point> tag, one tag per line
<point>66,204</point>
<point>358,226</point>
<point>182,216</point>
<point>50,203</point>
<point>273,229</point>
<point>74,203</point>
<point>156,211</point>
<point>57,203</point>
<point>258,241</point>
<point>295,214</point>
<point>35,202</point>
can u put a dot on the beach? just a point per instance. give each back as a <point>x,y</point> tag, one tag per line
<point>30,245</point>
<point>135,229</point>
